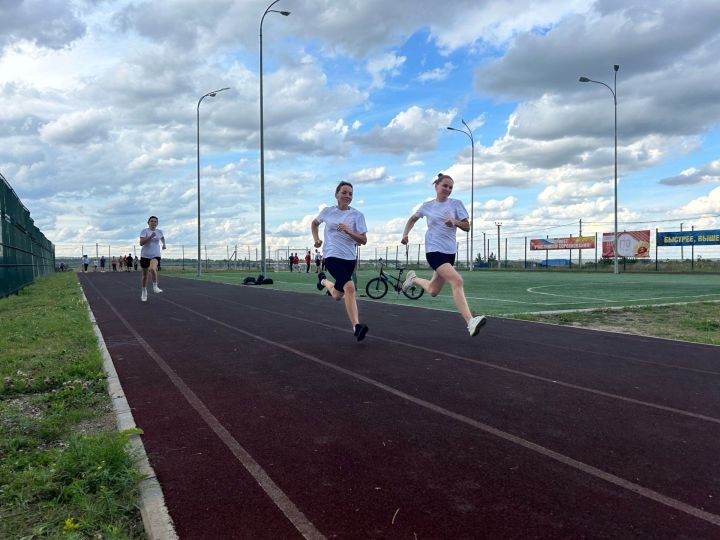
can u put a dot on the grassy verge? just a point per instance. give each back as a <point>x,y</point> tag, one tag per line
<point>697,322</point>
<point>65,472</point>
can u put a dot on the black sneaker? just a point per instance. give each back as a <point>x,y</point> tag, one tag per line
<point>360,331</point>
<point>319,284</point>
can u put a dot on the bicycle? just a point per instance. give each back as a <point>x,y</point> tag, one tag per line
<point>377,287</point>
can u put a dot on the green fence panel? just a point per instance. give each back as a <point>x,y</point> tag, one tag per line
<point>25,253</point>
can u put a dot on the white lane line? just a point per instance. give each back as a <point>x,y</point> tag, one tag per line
<point>670,502</point>
<point>303,525</point>
<point>153,510</point>
<point>490,365</point>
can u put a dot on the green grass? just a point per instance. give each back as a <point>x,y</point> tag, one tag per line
<point>698,322</point>
<point>677,306</point>
<point>64,470</point>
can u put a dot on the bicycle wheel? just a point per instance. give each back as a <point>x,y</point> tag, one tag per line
<point>376,288</point>
<point>414,292</point>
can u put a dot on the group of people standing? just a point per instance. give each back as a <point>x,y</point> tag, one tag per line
<point>126,261</point>
<point>294,262</point>
<point>345,229</point>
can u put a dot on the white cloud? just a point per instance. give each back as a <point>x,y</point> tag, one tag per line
<point>387,65</point>
<point>437,74</point>
<point>412,130</point>
<point>367,175</point>
<point>708,173</point>
<point>79,127</point>
<point>707,204</point>
<point>44,23</point>
<point>570,192</point>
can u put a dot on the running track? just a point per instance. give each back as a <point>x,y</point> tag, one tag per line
<point>264,418</point>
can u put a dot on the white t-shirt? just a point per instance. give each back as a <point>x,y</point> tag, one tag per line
<point>152,248</point>
<point>440,237</point>
<point>337,243</point>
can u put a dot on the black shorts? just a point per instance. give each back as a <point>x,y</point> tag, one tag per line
<point>341,270</point>
<point>436,259</point>
<point>145,262</point>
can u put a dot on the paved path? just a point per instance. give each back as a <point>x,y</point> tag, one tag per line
<point>264,418</point>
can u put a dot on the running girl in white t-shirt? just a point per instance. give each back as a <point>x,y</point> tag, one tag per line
<point>444,215</point>
<point>344,229</point>
<point>150,239</point>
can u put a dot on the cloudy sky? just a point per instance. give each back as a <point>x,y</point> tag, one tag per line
<point>99,103</point>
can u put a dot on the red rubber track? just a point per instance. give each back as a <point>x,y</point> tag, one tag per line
<point>264,418</point>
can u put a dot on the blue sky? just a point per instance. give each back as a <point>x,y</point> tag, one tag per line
<point>98,124</point>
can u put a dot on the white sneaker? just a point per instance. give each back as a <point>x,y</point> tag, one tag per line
<point>475,324</point>
<point>409,280</point>
<point>143,295</point>
<point>156,289</point>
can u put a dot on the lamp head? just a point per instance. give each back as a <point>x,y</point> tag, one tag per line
<point>584,79</point>
<point>212,94</point>
<point>286,13</point>
<point>616,67</point>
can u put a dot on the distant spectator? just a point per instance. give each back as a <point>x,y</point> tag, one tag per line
<point>114,263</point>
<point>128,261</point>
<point>291,260</point>
<point>318,260</point>
<point>102,263</point>
<point>296,262</point>
<point>95,265</point>
<point>307,262</point>
<point>85,263</point>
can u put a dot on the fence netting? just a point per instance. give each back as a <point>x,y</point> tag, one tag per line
<point>25,253</point>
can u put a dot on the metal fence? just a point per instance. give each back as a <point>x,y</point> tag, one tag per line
<point>25,253</point>
<point>511,252</point>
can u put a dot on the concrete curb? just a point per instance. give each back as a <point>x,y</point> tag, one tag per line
<point>156,518</point>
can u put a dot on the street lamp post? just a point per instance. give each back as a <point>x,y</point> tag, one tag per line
<point>469,133</point>
<point>209,94</point>
<point>262,143</point>
<point>498,224</point>
<point>613,90</point>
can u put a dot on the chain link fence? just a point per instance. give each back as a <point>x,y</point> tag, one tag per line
<point>25,253</point>
<point>490,251</point>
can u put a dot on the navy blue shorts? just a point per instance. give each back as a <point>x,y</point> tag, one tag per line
<point>436,259</point>
<point>341,271</point>
<point>145,262</point>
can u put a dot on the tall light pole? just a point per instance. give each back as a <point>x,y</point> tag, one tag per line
<point>262,143</point>
<point>469,133</point>
<point>498,224</point>
<point>613,90</point>
<point>209,94</point>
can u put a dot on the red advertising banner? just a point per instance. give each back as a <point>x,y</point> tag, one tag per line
<point>630,244</point>
<point>576,242</point>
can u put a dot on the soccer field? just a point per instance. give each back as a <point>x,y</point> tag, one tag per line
<point>507,292</point>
